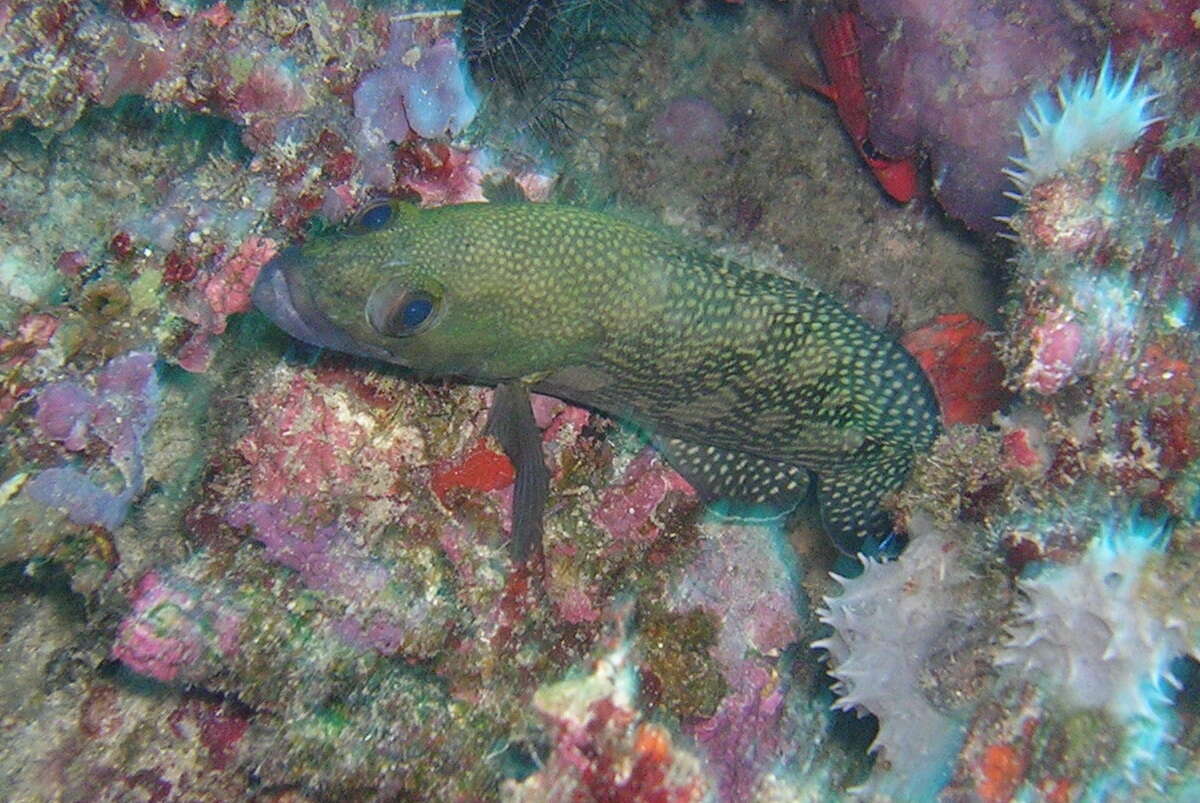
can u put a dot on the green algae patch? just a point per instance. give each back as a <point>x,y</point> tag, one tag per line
<point>685,677</point>
<point>143,291</point>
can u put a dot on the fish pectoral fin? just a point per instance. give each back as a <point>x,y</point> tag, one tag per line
<point>747,479</point>
<point>849,499</point>
<point>511,422</point>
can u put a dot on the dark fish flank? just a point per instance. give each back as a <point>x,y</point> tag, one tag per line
<point>747,380</point>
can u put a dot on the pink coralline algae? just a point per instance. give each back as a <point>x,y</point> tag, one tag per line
<point>219,728</point>
<point>575,605</point>
<point>228,290</point>
<point>439,173</point>
<point>187,754</point>
<point>326,557</point>
<point>603,749</point>
<point>626,510</point>
<point>1165,23</point>
<point>231,67</point>
<point>748,586</point>
<point>385,605</point>
<point>309,87</point>
<point>560,423</point>
<point>174,627</point>
<point>738,577</point>
<point>743,738</point>
<point>1025,443</point>
<point>1055,355</point>
<point>340,714</point>
<point>307,438</point>
<point>33,333</point>
<point>224,292</point>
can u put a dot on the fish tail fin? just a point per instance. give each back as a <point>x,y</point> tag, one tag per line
<point>849,499</point>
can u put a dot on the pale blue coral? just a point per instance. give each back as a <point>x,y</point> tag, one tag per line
<point>888,624</point>
<point>1087,635</point>
<point>1088,115</point>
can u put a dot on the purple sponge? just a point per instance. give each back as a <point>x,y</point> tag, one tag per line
<point>953,77</point>
<point>422,86</point>
<point>119,412</point>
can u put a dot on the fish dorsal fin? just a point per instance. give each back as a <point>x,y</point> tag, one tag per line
<point>720,474</point>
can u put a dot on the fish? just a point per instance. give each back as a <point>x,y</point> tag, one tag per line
<point>750,384</point>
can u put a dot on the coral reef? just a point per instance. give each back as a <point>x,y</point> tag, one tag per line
<point>603,748</point>
<point>749,587</point>
<point>1065,530</point>
<point>235,568</point>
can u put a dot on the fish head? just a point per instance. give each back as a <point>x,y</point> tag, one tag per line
<point>427,289</point>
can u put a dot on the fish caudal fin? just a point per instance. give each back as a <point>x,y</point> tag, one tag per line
<point>849,500</point>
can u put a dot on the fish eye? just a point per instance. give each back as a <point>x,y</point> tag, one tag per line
<point>401,314</point>
<point>373,217</point>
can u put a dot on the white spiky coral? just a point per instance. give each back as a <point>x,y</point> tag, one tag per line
<point>1092,115</point>
<point>1087,633</point>
<point>1086,630</point>
<point>887,624</point>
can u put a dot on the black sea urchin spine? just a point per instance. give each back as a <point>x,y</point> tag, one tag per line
<point>548,54</point>
<point>505,38</point>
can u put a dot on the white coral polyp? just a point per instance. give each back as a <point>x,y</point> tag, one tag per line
<point>886,624</point>
<point>1092,115</point>
<point>1085,631</point>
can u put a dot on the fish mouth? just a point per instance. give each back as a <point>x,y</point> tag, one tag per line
<point>281,293</point>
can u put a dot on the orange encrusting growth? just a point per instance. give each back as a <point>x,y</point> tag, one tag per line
<point>481,470</point>
<point>838,43</point>
<point>961,362</point>
<point>1001,769</point>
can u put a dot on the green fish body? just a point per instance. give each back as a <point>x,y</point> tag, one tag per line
<point>747,380</point>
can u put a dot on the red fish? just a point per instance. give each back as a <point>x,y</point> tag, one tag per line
<point>837,42</point>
